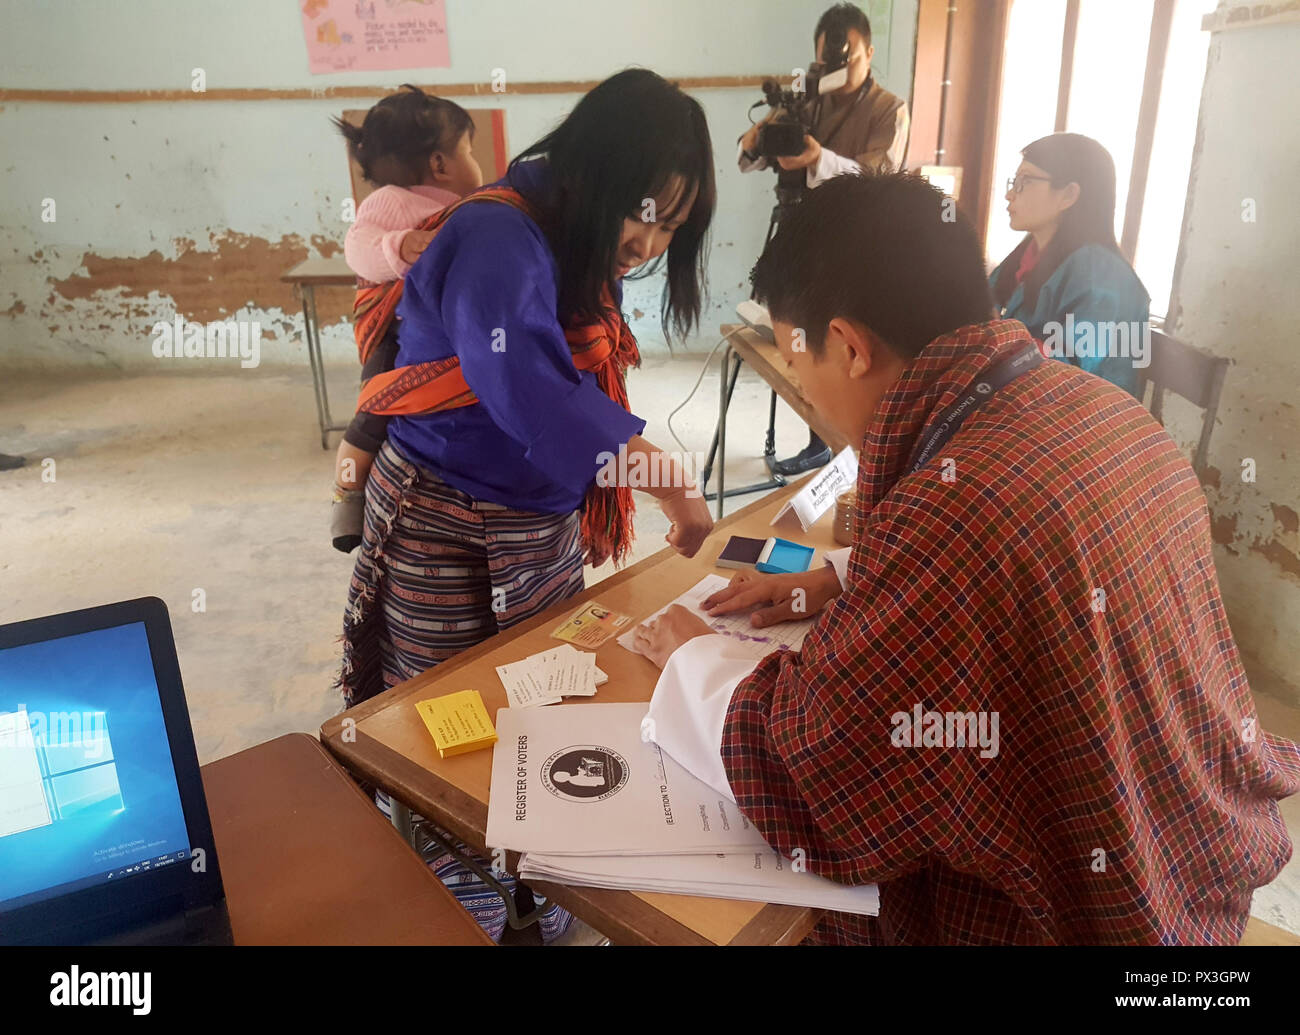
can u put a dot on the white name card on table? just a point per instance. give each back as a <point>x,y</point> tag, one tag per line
<point>818,496</point>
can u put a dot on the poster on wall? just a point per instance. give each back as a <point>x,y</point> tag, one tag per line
<point>358,35</point>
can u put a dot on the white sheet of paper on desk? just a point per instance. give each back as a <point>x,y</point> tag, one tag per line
<point>580,780</point>
<point>758,642</point>
<point>818,496</point>
<point>762,876</point>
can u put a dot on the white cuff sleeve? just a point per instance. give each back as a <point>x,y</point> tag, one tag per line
<point>745,164</point>
<point>839,560</point>
<point>689,707</point>
<point>828,165</point>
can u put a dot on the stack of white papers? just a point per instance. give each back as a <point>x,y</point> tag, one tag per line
<point>548,677</point>
<point>762,876</point>
<point>588,802</point>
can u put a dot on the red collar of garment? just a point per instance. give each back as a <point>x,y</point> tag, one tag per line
<point>934,380</point>
<point>1028,260</point>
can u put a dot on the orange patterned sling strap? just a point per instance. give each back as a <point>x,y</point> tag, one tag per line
<point>606,347</point>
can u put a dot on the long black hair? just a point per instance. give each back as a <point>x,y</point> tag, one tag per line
<point>1067,158</point>
<point>394,141</point>
<point>623,143</point>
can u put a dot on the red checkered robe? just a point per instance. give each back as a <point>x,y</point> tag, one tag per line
<point>1133,798</point>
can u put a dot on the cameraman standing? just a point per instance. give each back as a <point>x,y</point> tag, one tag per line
<point>861,127</point>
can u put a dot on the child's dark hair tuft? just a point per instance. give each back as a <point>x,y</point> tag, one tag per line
<point>394,143</point>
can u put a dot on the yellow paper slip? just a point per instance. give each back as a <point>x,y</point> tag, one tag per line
<point>457,722</point>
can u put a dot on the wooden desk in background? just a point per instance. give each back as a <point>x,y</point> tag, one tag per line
<point>747,346</point>
<point>390,747</point>
<point>306,277</point>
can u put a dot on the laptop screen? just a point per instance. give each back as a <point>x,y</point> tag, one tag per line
<point>88,792</point>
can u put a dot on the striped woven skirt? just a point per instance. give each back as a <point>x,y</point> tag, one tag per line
<point>438,572</point>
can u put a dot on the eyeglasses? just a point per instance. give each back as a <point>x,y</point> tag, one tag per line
<point>1017,183</point>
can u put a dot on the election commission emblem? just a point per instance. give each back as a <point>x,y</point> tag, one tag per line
<point>586,772</point>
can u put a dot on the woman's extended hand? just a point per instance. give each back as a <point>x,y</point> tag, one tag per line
<point>646,467</point>
<point>790,598</point>
<point>690,517</point>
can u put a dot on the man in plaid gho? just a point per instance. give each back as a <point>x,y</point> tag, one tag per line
<point>1044,576</point>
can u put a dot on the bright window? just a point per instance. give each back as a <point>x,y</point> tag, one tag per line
<point>1112,47</point>
<point>1028,103</point>
<point>1171,155</point>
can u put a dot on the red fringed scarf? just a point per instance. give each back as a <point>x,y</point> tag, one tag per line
<point>605,346</point>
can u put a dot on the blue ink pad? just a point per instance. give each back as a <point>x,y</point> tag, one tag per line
<point>782,557</point>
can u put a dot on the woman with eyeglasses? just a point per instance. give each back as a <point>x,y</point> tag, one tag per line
<point>1067,281</point>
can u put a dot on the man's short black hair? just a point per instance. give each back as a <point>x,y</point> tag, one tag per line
<point>890,252</point>
<point>844,17</point>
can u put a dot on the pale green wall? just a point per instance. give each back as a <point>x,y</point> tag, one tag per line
<point>131,178</point>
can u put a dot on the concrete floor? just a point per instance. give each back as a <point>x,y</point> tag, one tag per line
<point>166,485</point>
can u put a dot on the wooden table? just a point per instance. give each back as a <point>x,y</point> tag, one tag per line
<point>745,345</point>
<point>306,277</point>
<point>384,741</point>
<point>307,859</point>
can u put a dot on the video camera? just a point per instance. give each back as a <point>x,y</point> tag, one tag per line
<point>794,112</point>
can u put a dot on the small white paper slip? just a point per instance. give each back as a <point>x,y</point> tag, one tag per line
<point>525,686</point>
<point>818,496</point>
<point>584,669</point>
<point>558,670</point>
<point>578,668</point>
<point>561,671</point>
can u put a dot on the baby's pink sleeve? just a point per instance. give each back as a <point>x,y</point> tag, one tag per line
<point>373,243</point>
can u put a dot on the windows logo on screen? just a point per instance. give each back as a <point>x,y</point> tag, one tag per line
<point>55,766</point>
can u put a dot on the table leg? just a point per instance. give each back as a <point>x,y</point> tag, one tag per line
<point>430,845</point>
<point>713,444</point>
<point>401,817</point>
<point>317,367</point>
<point>320,365</point>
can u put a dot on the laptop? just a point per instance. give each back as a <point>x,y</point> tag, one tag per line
<point>104,829</point>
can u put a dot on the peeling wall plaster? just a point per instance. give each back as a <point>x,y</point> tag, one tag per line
<point>1234,295</point>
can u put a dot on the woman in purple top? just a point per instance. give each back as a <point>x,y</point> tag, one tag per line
<point>474,513</point>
